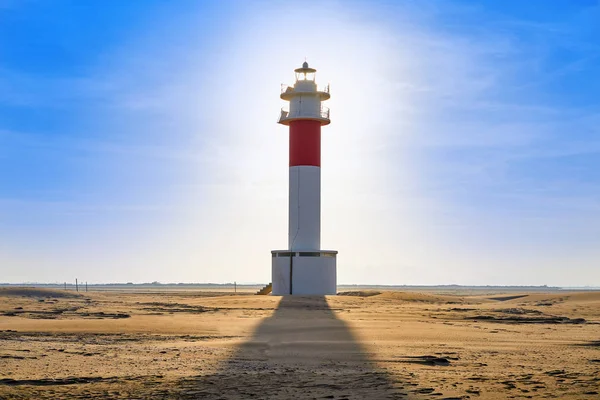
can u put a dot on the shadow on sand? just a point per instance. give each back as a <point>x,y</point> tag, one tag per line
<point>303,351</point>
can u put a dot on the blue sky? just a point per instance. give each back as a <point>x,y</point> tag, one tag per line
<point>138,139</point>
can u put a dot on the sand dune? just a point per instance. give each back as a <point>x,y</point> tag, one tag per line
<point>421,297</point>
<point>363,345</point>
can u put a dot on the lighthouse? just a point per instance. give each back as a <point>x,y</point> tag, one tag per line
<point>304,268</point>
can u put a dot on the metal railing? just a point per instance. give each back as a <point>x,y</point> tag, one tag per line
<point>286,88</point>
<point>290,89</point>
<point>285,114</point>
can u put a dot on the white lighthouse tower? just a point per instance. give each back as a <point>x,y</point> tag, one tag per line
<point>304,269</point>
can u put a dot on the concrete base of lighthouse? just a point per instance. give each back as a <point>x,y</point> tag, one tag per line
<point>304,272</point>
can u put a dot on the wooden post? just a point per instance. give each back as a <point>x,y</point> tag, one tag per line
<point>76,285</point>
<point>234,287</point>
<point>86,286</point>
<point>65,285</point>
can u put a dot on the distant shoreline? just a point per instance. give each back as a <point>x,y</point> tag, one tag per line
<point>157,285</point>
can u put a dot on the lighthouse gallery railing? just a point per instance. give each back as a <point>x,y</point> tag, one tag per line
<point>288,89</point>
<point>285,114</point>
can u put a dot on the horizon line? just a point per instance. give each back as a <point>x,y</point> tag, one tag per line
<point>156,283</point>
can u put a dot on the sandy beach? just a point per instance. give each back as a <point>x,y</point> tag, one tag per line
<point>359,345</point>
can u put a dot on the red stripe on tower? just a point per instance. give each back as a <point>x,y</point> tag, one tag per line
<point>305,143</point>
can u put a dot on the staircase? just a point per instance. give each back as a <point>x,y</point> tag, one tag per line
<point>266,290</point>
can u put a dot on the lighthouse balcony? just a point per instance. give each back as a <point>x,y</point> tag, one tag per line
<point>287,92</point>
<point>285,117</point>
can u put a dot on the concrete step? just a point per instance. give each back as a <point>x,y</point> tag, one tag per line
<point>265,290</point>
